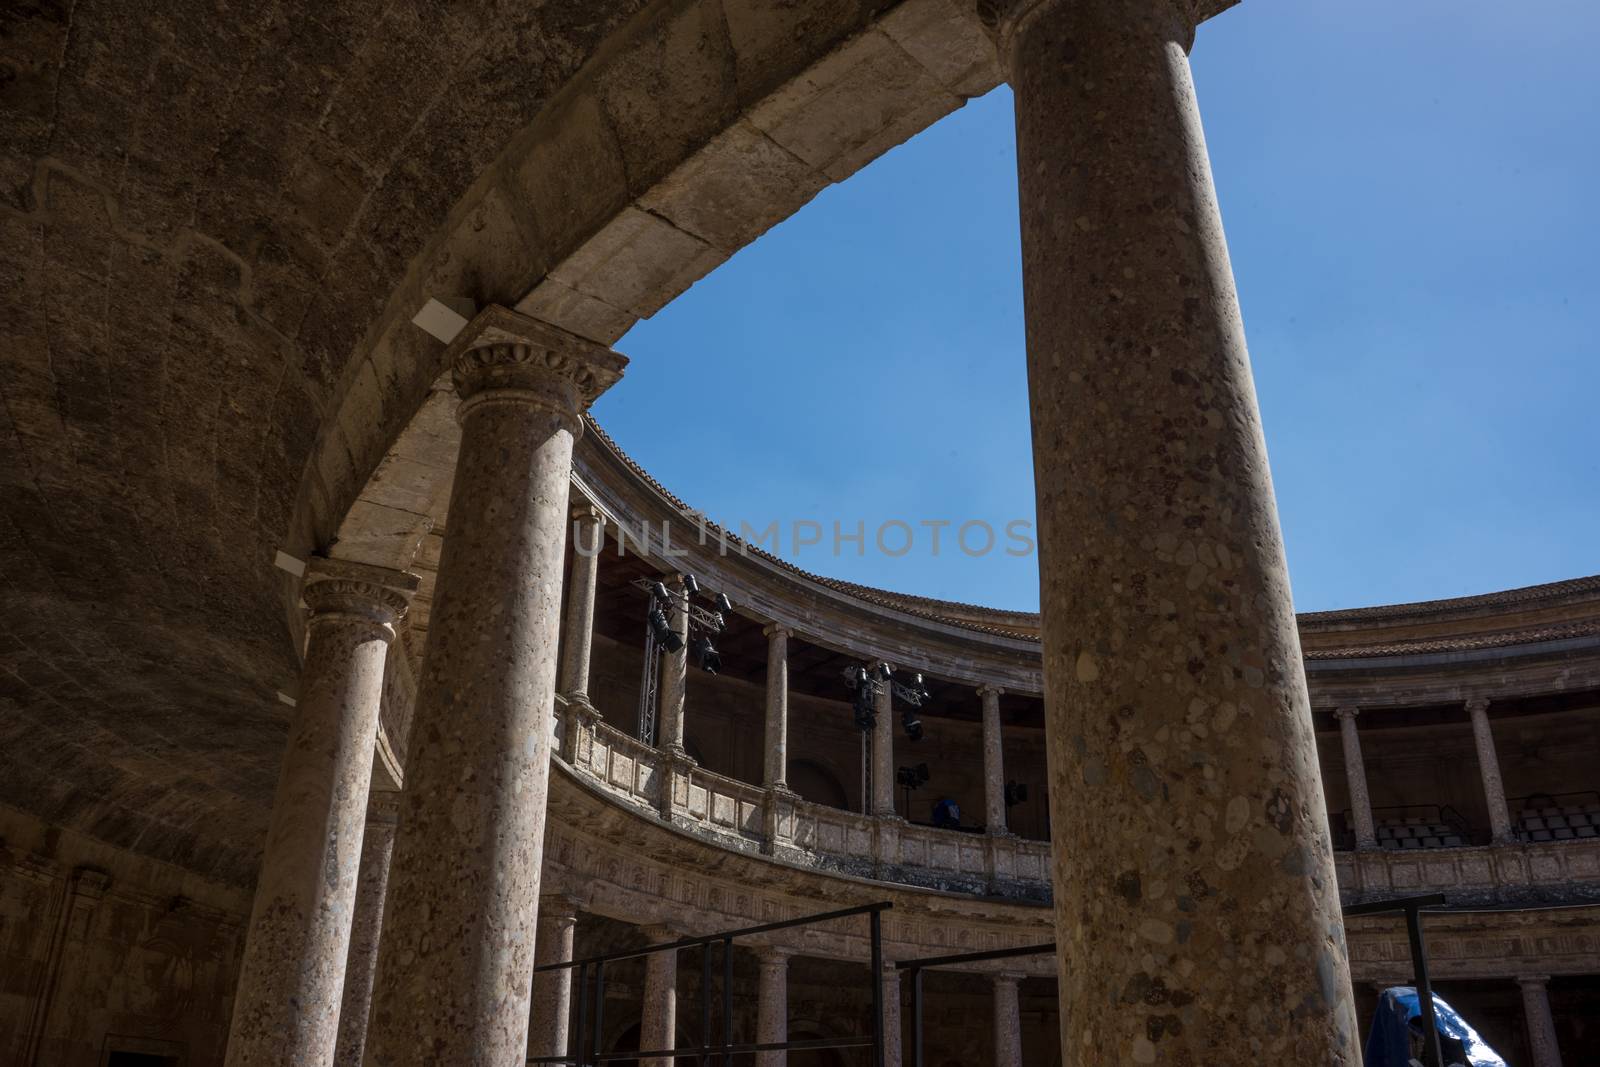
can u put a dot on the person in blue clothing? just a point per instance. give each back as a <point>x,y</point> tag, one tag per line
<point>1398,1038</point>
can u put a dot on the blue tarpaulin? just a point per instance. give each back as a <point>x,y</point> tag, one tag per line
<point>1399,1017</point>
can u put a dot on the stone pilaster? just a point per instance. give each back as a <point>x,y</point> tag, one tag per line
<point>658,1020</point>
<point>291,981</point>
<point>1494,792</point>
<point>1355,771</point>
<point>552,990</point>
<point>994,768</point>
<point>1183,775</point>
<point>366,927</point>
<point>456,967</point>
<point>772,1006</point>
<point>1541,1023</point>
<point>776,771</point>
<point>673,690</point>
<point>588,539</point>
<point>1007,1021</point>
<point>883,751</point>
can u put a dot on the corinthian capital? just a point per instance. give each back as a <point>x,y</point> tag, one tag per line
<point>336,588</point>
<point>502,356</point>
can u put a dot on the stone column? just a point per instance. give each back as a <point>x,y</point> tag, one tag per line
<point>658,1026</point>
<point>377,845</point>
<point>775,775</point>
<point>456,967</point>
<point>883,750</point>
<point>1355,772</point>
<point>1175,701</point>
<point>286,1005</point>
<point>674,675</point>
<point>1541,1024</point>
<point>1007,1021</point>
<point>994,766</point>
<point>1494,792</point>
<point>588,537</point>
<point>772,1011</point>
<point>552,990</point>
<point>891,1016</point>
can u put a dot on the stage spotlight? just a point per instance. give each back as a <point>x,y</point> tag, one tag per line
<point>723,604</point>
<point>691,586</point>
<point>912,724</point>
<point>913,777</point>
<point>665,635</point>
<point>705,655</point>
<point>658,590</point>
<point>885,672</point>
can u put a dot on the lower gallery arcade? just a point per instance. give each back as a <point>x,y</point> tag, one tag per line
<point>484,768</point>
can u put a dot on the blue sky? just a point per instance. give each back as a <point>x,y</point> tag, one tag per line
<point>1409,192</point>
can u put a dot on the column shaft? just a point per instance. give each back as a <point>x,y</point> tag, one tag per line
<point>891,1018</point>
<point>377,845</point>
<point>1541,1023</point>
<point>772,1011</point>
<point>286,1008</point>
<point>994,770</point>
<point>588,539</point>
<point>883,751</point>
<point>673,690</point>
<point>658,1026</point>
<point>776,772</point>
<point>456,967</point>
<point>1007,1022</point>
<point>1355,772</point>
<point>552,990</point>
<point>1494,791</point>
<point>1183,776</point>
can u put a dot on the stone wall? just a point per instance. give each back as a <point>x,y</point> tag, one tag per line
<point>103,951</point>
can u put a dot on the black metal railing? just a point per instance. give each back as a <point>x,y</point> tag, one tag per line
<point>1411,906</point>
<point>917,966</point>
<point>586,1037</point>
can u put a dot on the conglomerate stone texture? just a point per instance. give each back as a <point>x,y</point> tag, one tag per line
<point>1197,912</point>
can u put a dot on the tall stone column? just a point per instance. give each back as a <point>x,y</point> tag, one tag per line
<point>1007,1021</point>
<point>1185,797</point>
<point>588,536</point>
<point>994,767</point>
<point>658,1025</point>
<point>286,1006</point>
<point>552,990</point>
<point>891,1016</point>
<point>1355,772</point>
<point>883,751</point>
<point>772,1006</point>
<point>674,675</point>
<point>1541,1023</point>
<point>456,967</point>
<point>1494,792</point>
<point>777,740</point>
<point>377,845</point>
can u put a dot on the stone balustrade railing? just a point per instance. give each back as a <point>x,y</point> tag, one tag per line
<point>1550,872</point>
<point>752,819</point>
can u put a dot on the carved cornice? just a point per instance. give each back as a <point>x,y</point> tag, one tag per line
<point>505,357</point>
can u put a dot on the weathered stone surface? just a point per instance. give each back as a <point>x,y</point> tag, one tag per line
<point>1176,705</point>
<point>457,961</point>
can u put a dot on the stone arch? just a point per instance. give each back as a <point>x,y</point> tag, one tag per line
<point>817,783</point>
